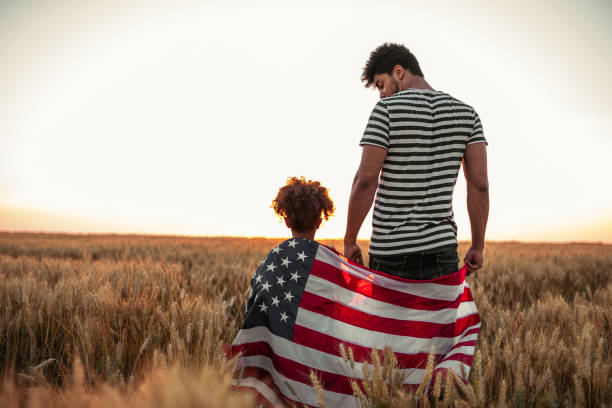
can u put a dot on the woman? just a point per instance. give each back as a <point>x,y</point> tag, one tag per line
<point>276,291</point>
<point>302,204</point>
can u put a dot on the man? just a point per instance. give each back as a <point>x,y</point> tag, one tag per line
<point>413,147</point>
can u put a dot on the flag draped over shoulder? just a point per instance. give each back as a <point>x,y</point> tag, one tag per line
<point>306,299</point>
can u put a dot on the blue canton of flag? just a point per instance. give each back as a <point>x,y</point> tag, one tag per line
<point>277,287</point>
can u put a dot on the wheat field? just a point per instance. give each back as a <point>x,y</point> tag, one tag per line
<point>118,321</point>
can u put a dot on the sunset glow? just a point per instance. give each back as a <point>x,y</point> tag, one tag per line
<point>186,118</point>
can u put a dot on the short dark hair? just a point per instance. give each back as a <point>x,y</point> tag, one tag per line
<point>302,203</point>
<point>385,57</point>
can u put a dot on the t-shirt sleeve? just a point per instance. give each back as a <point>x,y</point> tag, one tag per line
<point>377,131</point>
<point>477,135</point>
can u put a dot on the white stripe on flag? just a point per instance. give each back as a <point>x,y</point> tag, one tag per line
<point>425,289</point>
<point>461,350</point>
<point>331,291</point>
<point>373,339</point>
<point>455,365</point>
<point>303,393</point>
<point>261,388</point>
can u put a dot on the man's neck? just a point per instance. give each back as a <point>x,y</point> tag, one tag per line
<point>415,82</point>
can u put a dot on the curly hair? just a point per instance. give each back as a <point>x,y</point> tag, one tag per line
<point>385,57</point>
<point>301,203</point>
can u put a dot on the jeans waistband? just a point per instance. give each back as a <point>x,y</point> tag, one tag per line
<point>419,254</point>
<point>425,258</point>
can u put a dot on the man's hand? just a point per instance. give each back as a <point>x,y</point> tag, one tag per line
<point>475,169</point>
<point>473,260</point>
<point>353,252</point>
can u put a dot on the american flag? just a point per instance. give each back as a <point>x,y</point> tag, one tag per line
<point>306,299</point>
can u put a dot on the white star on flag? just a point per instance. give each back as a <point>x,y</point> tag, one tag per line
<point>292,243</point>
<point>280,281</point>
<point>266,286</point>
<point>289,296</point>
<point>276,250</point>
<point>263,307</point>
<point>258,278</point>
<point>295,276</point>
<point>271,267</point>
<point>302,256</point>
<point>286,262</point>
<point>284,317</point>
<point>275,301</point>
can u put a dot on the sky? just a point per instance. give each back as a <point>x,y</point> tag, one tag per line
<point>186,117</point>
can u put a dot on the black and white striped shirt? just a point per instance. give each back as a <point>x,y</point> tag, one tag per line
<point>425,133</point>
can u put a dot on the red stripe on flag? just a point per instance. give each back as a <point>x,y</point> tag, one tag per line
<point>455,278</point>
<point>346,280</point>
<point>340,312</point>
<point>464,358</point>
<point>469,343</point>
<point>475,330</point>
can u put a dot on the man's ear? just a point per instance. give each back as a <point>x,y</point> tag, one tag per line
<point>399,72</point>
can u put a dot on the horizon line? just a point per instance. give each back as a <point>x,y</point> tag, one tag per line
<point>142,234</point>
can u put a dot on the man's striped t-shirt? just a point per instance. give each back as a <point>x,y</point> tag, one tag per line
<point>425,133</point>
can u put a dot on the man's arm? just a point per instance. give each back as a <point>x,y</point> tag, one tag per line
<point>475,170</point>
<point>362,196</point>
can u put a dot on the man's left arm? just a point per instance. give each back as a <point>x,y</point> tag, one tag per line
<point>362,196</point>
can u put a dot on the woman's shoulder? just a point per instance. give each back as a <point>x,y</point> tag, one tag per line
<point>296,242</point>
<point>292,249</point>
